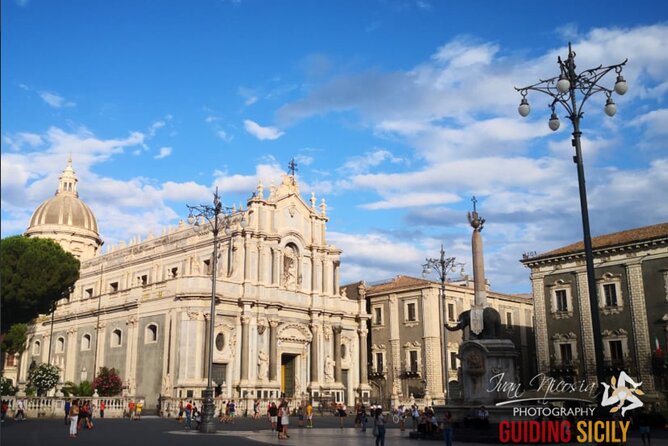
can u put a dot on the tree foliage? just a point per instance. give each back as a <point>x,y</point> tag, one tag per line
<point>14,341</point>
<point>72,389</point>
<point>43,378</point>
<point>7,387</point>
<point>35,273</point>
<point>108,383</point>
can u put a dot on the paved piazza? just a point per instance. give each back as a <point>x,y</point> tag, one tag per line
<point>153,431</point>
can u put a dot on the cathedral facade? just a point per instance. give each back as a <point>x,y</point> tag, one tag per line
<point>282,325</point>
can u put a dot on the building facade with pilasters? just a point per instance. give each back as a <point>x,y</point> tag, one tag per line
<point>282,326</point>
<point>631,270</point>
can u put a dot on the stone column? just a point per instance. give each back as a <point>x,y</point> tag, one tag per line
<point>245,341</point>
<point>70,355</point>
<point>314,353</point>
<point>248,248</point>
<point>273,324</point>
<point>337,291</point>
<point>362,331</point>
<point>641,336</point>
<point>337,353</point>
<point>276,266</point>
<point>131,356</point>
<point>540,322</point>
<point>395,349</point>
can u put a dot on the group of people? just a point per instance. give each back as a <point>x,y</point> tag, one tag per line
<point>79,414</point>
<point>188,411</point>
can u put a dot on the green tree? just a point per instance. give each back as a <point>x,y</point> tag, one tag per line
<point>43,378</point>
<point>7,387</point>
<point>14,341</point>
<point>108,383</point>
<point>35,273</point>
<point>72,389</point>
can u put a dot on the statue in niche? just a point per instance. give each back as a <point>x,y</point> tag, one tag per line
<point>329,369</point>
<point>262,365</point>
<point>197,270</point>
<point>290,268</point>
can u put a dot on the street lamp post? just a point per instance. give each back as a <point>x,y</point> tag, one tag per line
<point>441,267</point>
<point>567,89</point>
<point>218,217</point>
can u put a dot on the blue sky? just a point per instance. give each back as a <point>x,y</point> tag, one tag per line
<point>396,111</point>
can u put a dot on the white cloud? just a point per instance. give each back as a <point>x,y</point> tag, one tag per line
<point>412,199</point>
<point>154,128</point>
<point>222,134</point>
<point>262,133</point>
<point>55,100</point>
<point>360,164</point>
<point>249,95</point>
<point>22,139</point>
<point>164,153</point>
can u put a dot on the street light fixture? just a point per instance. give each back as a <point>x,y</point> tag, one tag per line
<point>567,89</point>
<point>441,267</point>
<point>215,218</point>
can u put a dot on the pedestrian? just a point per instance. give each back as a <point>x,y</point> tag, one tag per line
<point>3,411</point>
<point>189,413</point>
<point>180,416</point>
<point>233,409</point>
<point>68,406</point>
<point>309,415</point>
<point>341,411</point>
<point>256,410</point>
<point>285,419</point>
<point>363,418</point>
<point>415,414</point>
<point>447,428</point>
<point>74,418</point>
<point>131,409</point>
<point>102,406</point>
<point>140,407</point>
<point>273,416</point>
<point>643,427</point>
<point>20,407</point>
<point>300,414</point>
<point>379,427</point>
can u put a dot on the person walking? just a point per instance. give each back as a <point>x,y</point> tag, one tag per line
<point>74,418</point>
<point>189,413</point>
<point>20,407</point>
<point>379,427</point>
<point>102,406</point>
<point>180,416</point>
<point>309,415</point>
<point>643,427</point>
<point>285,419</point>
<point>273,416</point>
<point>363,418</point>
<point>341,411</point>
<point>447,428</point>
<point>68,406</point>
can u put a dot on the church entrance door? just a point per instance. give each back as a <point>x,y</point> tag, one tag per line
<point>288,370</point>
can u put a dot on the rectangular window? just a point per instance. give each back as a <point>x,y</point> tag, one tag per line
<point>378,316</point>
<point>9,362</point>
<point>113,287</point>
<point>414,360</point>
<point>610,291</point>
<point>451,312</point>
<point>207,266</point>
<point>566,351</point>
<point>143,280</point>
<point>616,351</point>
<point>174,272</point>
<point>453,360</point>
<point>379,362</point>
<point>88,293</point>
<point>509,319</point>
<point>562,302</point>
<point>412,315</point>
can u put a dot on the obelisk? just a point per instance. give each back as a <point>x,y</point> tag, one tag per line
<point>480,290</point>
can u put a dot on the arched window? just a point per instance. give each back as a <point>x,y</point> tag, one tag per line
<point>85,342</point>
<point>116,338</point>
<point>151,333</point>
<point>36,348</point>
<point>60,345</point>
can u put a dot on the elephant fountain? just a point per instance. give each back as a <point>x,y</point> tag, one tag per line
<point>491,324</point>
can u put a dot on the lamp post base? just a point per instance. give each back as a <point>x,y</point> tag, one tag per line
<point>208,424</point>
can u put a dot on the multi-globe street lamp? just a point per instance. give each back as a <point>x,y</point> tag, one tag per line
<point>571,90</point>
<point>214,218</point>
<point>441,267</point>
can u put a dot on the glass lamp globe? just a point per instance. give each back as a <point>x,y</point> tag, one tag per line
<point>610,107</point>
<point>524,109</point>
<point>563,85</point>
<point>554,123</point>
<point>621,86</point>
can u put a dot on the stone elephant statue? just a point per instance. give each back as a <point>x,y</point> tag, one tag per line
<point>491,324</point>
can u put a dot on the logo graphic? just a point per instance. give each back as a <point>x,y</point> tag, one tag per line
<point>621,394</point>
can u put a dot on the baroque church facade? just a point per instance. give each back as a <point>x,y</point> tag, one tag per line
<point>282,325</point>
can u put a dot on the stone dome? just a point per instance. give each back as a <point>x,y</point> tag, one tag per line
<point>66,219</point>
